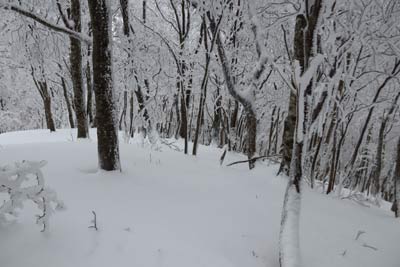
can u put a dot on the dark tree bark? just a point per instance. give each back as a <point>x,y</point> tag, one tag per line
<point>43,89</point>
<point>89,86</point>
<point>396,178</point>
<point>203,88</point>
<point>107,132</point>
<point>217,134</point>
<point>377,167</point>
<point>69,108</point>
<point>122,119</point>
<point>288,133</point>
<point>76,72</point>
<point>303,43</point>
<point>75,57</point>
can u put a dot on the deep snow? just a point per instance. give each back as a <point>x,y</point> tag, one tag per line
<point>171,210</point>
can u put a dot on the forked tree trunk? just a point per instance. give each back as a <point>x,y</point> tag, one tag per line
<point>289,243</point>
<point>43,90</point>
<point>107,132</point>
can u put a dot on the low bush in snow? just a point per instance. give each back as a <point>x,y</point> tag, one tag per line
<point>23,181</point>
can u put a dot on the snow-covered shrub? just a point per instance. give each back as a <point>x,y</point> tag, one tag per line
<point>23,181</point>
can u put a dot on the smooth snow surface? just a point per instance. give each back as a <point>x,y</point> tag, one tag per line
<point>171,210</point>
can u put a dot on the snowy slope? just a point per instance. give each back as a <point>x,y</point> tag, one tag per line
<point>170,210</point>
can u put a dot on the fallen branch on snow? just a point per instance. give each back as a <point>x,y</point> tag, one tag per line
<point>271,158</point>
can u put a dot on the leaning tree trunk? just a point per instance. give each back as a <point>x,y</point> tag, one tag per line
<point>107,132</point>
<point>251,118</point>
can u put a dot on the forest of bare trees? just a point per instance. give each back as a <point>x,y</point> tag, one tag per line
<point>313,85</point>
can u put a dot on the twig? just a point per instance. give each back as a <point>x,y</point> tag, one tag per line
<point>359,233</point>
<point>221,160</point>
<point>94,221</point>
<point>368,246</point>
<point>171,145</point>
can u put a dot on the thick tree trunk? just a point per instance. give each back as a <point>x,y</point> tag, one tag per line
<point>76,72</point>
<point>107,132</point>
<point>289,247</point>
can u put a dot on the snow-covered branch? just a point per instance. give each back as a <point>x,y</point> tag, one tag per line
<point>13,181</point>
<point>49,24</point>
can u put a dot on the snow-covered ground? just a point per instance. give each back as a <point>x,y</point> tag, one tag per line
<point>171,210</point>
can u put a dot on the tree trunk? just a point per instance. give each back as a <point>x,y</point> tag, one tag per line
<point>76,72</point>
<point>107,132</point>
<point>250,113</point>
<point>288,133</point>
<point>377,168</point>
<point>203,89</point>
<point>396,178</point>
<point>90,94</point>
<point>49,114</point>
<point>122,119</point>
<point>41,86</point>
<point>69,108</point>
<point>289,245</point>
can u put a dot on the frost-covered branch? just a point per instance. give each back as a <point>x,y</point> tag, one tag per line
<point>13,179</point>
<point>49,24</point>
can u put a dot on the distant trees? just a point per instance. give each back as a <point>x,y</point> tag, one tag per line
<point>225,73</point>
<point>107,133</point>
